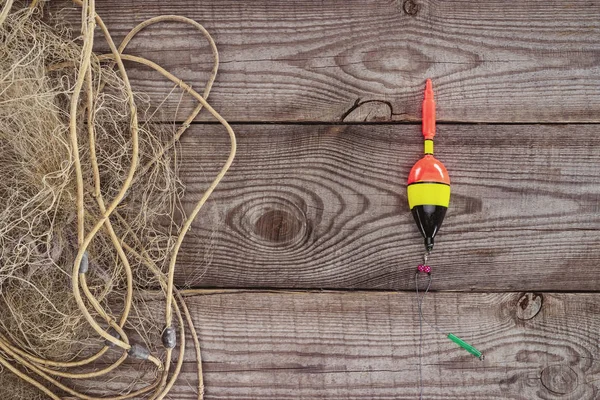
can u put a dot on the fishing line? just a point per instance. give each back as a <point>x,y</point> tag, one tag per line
<point>428,193</point>
<point>426,269</point>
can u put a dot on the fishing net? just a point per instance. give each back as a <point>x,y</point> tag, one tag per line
<point>90,214</point>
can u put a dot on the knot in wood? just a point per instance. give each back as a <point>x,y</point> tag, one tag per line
<point>278,226</point>
<point>410,7</point>
<point>275,223</point>
<point>559,379</point>
<point>529,305</point>
<point>278,223</point>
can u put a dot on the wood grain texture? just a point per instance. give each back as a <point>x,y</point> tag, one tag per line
<point>309,60</point>
<point>359,345</point>
<point>325,207</point>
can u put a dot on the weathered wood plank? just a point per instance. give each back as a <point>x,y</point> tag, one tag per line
<point>528,61</point>
<point>360,345</point>
<point>325,207</point>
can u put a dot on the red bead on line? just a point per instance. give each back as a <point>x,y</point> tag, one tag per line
<point>424,268</point>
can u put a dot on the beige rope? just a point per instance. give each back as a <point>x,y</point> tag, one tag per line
<point>88,38</point>
<point>44,369</point>
<point>5,10</point>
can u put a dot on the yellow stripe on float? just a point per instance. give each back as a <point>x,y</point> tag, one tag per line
<point>429,147</point>
<point>424,193</point>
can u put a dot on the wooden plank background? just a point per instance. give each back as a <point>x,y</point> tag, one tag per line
<point>324,206</point>
<point>327,98</point>
<point>306,60</point>
<point>358,345</point>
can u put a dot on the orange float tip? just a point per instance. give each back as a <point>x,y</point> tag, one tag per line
<point>428,112</point>
<point>428,89</point>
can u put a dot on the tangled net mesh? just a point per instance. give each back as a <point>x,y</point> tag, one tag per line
<point>41,215</point>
